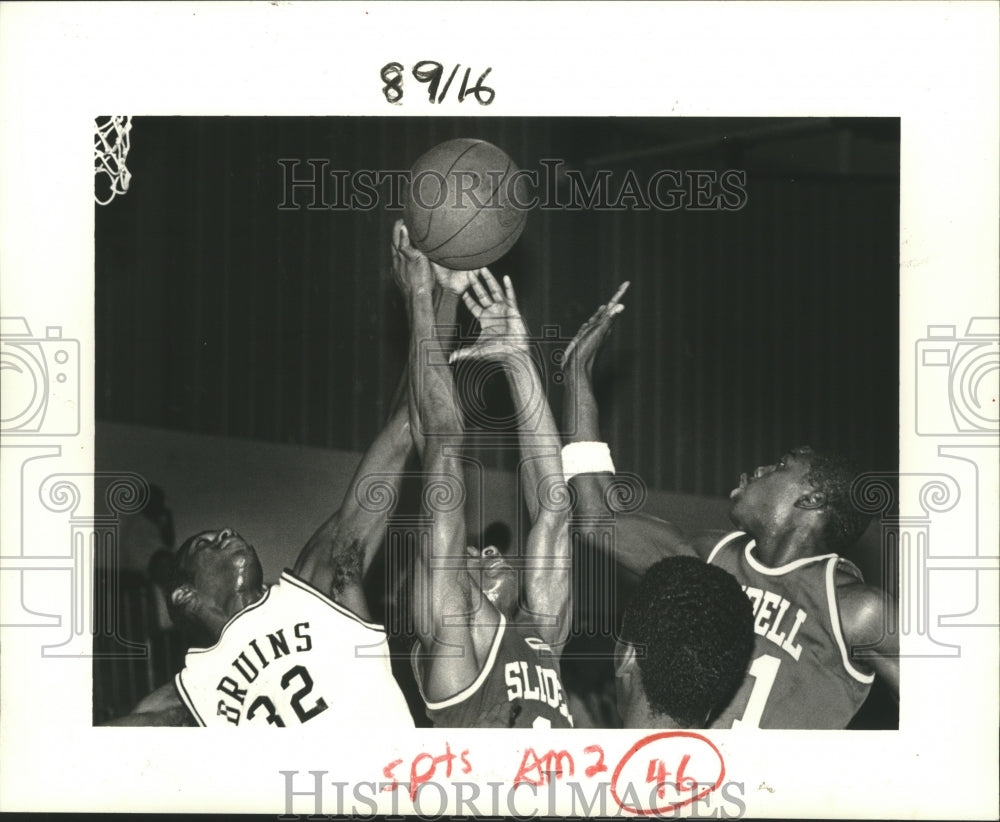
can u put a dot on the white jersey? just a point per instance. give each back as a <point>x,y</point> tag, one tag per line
<point>292,657</point>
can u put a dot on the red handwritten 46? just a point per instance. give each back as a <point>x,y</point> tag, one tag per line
<point>657,773</point>
<point>693,753</point>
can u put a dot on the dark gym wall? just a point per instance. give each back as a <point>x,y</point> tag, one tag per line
<point>746,332</point>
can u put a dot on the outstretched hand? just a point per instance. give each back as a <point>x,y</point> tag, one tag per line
<point>412,268</point>
<point>502,332</point>
<point>584,346</point>
<point>457,282</point>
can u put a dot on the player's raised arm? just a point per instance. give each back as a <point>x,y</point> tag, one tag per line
<point>641,539</point>
<point>445,615</point>
<point>337,556</point>
<point>546,576</point>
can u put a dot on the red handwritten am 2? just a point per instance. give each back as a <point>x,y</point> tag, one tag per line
<point>536,770</point>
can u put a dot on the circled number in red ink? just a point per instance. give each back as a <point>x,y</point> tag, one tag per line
<point>674,765</point>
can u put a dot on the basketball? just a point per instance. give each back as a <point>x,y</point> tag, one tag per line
<point>465,204</point>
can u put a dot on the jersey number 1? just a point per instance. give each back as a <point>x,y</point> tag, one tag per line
<point>764,670</point>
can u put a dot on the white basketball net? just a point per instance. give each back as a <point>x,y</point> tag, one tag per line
<point>111,144</point>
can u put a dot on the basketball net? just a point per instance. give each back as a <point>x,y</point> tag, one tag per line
<point>111,144</point>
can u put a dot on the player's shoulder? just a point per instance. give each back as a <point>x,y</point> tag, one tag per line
<point>525,626</point>
<point>862,607</point>
<point>707,544</point>
<point>851,590</point>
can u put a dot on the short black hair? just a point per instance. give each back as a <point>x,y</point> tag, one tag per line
<point>692,626</point>
<point>833,475</point>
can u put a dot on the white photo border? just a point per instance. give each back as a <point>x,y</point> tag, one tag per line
<point>934,65</point>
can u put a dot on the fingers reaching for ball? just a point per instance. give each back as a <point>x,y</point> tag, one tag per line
<point>613,302</point>
<point>502,333</point>
<point>410,267</point>
<point>401,242</point>
<point>592,333</point>
<point>403,251</point>
<point>502,329</point>
<point>457,282</point>
<point>485,292</point>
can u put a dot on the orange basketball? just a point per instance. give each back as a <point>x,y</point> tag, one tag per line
<point>465,205</point>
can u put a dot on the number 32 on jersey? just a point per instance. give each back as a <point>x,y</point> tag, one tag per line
<point>299,676</point>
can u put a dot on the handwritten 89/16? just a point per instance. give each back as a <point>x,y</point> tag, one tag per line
<point>431,73</point>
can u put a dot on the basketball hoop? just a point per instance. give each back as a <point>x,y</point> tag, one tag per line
<point>111,144</point>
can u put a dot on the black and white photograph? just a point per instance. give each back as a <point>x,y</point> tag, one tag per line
<point>516,445</point>
<point>249,322</point>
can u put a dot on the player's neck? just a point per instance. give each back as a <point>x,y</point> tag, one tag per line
<point>777,549</point>
<point>238,601</point>
<point>638,714</point>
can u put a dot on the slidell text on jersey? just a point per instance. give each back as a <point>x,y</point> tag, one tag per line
<point>773,620</point>
<point>535,682</point>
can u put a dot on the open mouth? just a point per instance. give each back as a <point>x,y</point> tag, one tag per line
<point>744,482</point>
<point>495,568</point>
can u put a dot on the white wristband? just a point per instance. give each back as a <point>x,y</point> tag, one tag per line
<point>586,458</point>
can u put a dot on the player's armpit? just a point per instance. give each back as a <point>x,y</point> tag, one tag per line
<point>867,617</point>
<point>457,655</point>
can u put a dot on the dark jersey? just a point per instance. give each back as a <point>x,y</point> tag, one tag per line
<point>518,687</point>
<point>800,675</point>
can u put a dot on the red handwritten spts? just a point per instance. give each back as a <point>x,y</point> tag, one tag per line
<point>424,766</point>
<point>658,774</point>
<point>664,771</point>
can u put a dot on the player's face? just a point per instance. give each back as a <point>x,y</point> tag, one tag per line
<point>224,565</point>
<point>768,495</point>
<point>493,574</point>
